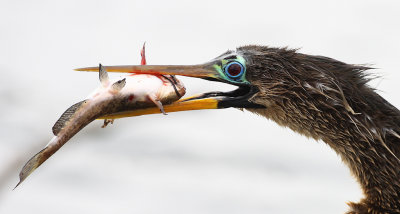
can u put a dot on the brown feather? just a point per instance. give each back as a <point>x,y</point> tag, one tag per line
<point>326,99</point>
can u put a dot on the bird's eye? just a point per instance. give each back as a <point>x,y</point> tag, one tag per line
<point>234,70</point>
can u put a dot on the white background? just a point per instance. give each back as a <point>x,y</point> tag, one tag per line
<point>211,161</point>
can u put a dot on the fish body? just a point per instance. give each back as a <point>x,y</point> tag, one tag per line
<point>135,91</point>
<point>140,90</point>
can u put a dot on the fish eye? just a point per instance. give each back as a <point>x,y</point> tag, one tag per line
<point>234,70</point>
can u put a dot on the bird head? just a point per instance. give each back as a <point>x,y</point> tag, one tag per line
<point>233,67</point>
<point>270,82</point>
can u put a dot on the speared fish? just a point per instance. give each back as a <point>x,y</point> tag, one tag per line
<point>135,91</point>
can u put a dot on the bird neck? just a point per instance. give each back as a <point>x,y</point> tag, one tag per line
<point>371,153</point>
<point>329,100</point>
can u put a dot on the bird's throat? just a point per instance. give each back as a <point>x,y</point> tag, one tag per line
<point>369,151</point>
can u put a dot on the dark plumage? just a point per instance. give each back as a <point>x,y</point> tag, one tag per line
<point>316,96</point>
<point>326,99</point>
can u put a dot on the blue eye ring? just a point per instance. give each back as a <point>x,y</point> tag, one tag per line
<point>234,70</point>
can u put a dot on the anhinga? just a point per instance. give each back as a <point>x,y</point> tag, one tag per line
<point>316,96</point>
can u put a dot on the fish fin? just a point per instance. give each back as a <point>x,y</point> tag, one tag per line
<point>157,102</point>
<point>143,54</point>
<point>117,86</point>
<point>103,76</point>
<point>65,117</point>
<point>38,159</point>
<point>106,122</point>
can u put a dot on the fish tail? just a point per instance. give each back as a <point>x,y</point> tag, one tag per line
<point>35,162</point>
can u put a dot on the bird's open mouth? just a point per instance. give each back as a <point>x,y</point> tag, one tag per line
<point>238,98</point>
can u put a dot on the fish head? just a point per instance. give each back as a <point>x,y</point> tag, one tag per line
<point>172,89</point>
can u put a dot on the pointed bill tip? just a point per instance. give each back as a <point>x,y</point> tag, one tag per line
<point>87,69</point>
